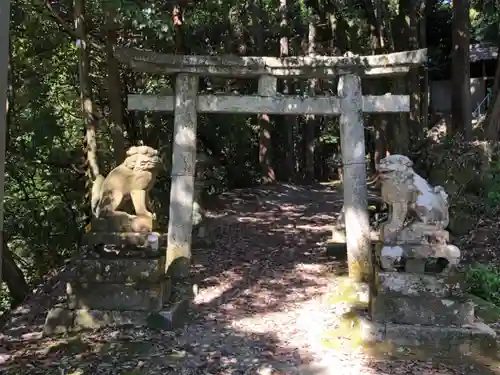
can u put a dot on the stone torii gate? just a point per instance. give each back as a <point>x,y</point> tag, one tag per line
<point>349,105</point>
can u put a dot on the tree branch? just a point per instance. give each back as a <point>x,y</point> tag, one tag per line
<point>67,28</point>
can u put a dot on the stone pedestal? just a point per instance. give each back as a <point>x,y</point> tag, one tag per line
<point>426,311</point>
<point>416,299</point>
<point>121,280</point>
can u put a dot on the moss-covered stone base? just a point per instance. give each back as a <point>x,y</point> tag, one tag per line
<point>355,331</point>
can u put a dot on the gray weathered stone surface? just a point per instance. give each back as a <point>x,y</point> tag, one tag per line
<point>465,339</point>
<point>434,340</point>
<point>318,66</point>
<point>170,317</point>
<point>422,310</point>
<point>419,217</point>
<point>121,297</point>
<point>418,285</point>
<point>95,319</point>
<point>329,106</point>
<point>357,225</point>
<point>59,320</point>
<point>62,320</point>
<point>122,223</point>
<point>125,270</point>
<point>416,308</point>
<point>180,224</point>
<point>122,239</point>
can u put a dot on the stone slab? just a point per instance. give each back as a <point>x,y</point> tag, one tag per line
<point>418,285</point>
<point>121,270</point>
<point>121,297</point>
<point>122,239</point>
<point>421,310</point>
<point>170,317</point>
<point>62,320</point>
<point>122,222</point>
<point>59,320</point>
<point>439,341</point>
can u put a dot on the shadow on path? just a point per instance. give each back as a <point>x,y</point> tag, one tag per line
<point>260,309</point>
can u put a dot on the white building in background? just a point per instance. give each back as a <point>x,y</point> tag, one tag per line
<point>482,71</point>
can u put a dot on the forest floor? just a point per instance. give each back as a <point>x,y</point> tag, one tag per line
<point>262,307</point>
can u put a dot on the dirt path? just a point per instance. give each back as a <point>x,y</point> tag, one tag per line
<point>261,307</point>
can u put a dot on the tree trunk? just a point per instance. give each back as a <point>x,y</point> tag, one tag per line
<point>237,33</point>
<point>265,160</point>
<point>86,88</point>
<point>289,122</point>
<point>178,22</point>
<point>493,119</point>
<point>413,87</point>
<point>13,276</point>
<point>114,85</point>
<point>424,100</point>
<point>310,125</point>
<point>374,14</point>
<point>408,40</point>
<point>461,108</point>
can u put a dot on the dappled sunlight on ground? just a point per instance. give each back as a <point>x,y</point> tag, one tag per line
<point>261,308</point>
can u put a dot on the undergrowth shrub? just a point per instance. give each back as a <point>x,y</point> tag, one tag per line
<point>484,281</point>
<point>493,191</point>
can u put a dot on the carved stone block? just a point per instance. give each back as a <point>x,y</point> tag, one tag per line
<point>123,222</point>
<point>134,270</point>
<point>395,284</point>
<point>419,310</point>
<point>145,296</point>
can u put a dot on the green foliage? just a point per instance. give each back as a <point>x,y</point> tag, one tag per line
<point>485,20</point>
<point>493,193</point>
<point>484,281</point>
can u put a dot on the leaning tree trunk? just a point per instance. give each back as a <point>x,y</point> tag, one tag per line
<point>13,276</point>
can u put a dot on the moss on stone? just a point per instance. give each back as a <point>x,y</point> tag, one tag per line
<point>346,335</point>
<point>346,291</point>
<point>357,269</point>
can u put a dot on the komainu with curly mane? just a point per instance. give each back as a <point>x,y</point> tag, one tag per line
<point>135,177</point>
<point>411,196</point>
<point>418,215</point>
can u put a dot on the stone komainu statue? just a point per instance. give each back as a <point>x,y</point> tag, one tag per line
<point>418,217</point>
<point>134,177</point>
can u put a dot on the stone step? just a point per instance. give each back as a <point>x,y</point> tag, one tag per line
<point>477,338</point>
<point>61,320</point>
<point>122,270</point>
<point>130,239</point>
<point>120,297</point>
<point>421,310</point>
<point>418,285</point>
